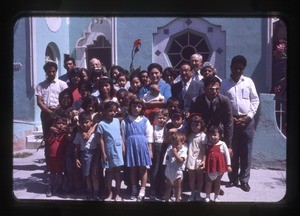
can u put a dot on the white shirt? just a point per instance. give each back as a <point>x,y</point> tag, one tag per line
<point>225,151</point>
<point>158,134</point>
<point>197,75</point>
<point>243,96</point>
<point>148,97</point>
<point>195,155</point>
<point>170,160</point>
<point>49,91</point>
<point>149,127</point>
<point>185,86</point>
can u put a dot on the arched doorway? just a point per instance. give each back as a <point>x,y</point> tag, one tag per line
<point>100,49</point>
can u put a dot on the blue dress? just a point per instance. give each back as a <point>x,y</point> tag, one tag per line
<point>113,142</point>
<point>136,143</point>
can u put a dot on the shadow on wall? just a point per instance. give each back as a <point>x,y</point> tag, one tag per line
<point>269,144</point>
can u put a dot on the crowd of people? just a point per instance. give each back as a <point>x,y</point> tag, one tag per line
<point>163,127</point>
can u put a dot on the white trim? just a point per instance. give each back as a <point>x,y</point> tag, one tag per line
<point>114,50</point>
<point>32,52</point>
<point>269,54</point>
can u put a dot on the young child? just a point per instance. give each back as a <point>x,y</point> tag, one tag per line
<point>217,162</point>
<point>144,77</point>
<point>122,95</point>
<point>137,132</point>
<point>175,159</point>
<point>156,170</point>
<point>135,83</point>
<point>55,143</point>
<point>152,96</point>
<point>197,143</point>
<point>85,88</point>
<point>112,148</point>
<point>172,104</point>
<point>74,181</point>
<point>106,90</point>
<point>89,158</point>
<point>122,81</point>
<point>176,124</point>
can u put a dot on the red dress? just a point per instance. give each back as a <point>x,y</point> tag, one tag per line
<point>215,160</point>
<point>56,149</point>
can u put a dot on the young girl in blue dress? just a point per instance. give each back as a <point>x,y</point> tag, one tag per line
<point>112,148</point>
<point>137,132</point>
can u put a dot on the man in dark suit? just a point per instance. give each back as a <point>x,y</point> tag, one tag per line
<point>186,89</point>
<point>215,108</point>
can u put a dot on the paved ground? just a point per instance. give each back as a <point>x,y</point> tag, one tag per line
<point>30,183</point>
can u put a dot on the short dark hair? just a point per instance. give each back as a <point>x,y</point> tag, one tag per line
<point>155,65</point>
<point>109,104</point>
<point>69,58</point>
<point>211,80</point>
<point>178,113</point>
<point>49,65</point>
<point>85,115</point>
<point>239,59</point>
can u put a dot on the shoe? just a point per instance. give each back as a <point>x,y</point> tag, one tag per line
<point>49,192</point>
<point>217,200</point>
<point>206,200</point>
<point>245,187</point>
<point>232,184</point>
<point>173,198</point>
<point>109,198</point>
<point>221,193</point>
<point>140,198</point>
<point>118,198</point>
<point>192,197</point>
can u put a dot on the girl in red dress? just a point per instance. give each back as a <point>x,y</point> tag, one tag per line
<point>217,162</point>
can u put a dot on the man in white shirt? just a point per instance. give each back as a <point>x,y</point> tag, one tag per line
<point>244,101</point>
<point>47,93</point>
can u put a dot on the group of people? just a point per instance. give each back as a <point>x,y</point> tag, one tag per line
<point>154,126</point>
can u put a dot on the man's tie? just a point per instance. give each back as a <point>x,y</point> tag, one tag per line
<point>184,90</point>
<point>210,113</point>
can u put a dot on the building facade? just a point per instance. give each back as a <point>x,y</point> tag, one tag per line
<point>165,40</point>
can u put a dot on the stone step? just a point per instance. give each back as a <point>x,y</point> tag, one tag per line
<point>34,141</point>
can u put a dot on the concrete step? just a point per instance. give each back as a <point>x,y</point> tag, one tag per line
<point>34,141</point>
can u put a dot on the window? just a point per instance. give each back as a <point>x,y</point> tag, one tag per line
<point>182,45</point>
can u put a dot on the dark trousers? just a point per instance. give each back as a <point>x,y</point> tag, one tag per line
<point>157,176</point>
<point>242,145</point>
<point>47,121</point>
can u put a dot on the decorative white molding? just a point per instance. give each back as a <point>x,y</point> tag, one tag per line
<point>98,26</point>
<point>215,35</point>
<point>53,23</point>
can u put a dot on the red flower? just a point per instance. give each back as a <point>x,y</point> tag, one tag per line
<point>137,43</point>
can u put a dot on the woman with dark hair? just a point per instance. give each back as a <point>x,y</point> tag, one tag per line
<point>106,90</point>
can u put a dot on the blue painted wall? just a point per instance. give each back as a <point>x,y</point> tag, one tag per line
<point>246,36</point>
<point>130,29</point>
<point>23,93</point>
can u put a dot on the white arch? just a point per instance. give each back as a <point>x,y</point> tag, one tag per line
<point>100,26</point>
